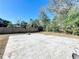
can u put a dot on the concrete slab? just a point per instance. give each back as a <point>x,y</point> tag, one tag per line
<point>39,46</point>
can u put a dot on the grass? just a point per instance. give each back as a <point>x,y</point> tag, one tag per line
<point>3,42</point>
<point>61,34</point>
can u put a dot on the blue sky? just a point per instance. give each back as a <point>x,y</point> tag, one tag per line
<point>13,10</point>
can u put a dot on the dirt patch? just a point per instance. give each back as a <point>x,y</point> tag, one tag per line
<point>61,34</point>
<point>3,42</point>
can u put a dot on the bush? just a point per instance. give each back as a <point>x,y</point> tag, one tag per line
<point>49,27</point>
<point>40,28</point>
<point>68,29</point>
<point>75,31</point>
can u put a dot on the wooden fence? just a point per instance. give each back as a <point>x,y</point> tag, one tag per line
<point>5,30</point>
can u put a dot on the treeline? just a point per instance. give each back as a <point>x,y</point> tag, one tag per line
<point>66,18</point>
<point>40,23</point>
<point>4,23</point>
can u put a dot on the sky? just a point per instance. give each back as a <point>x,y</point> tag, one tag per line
<point>14,10</point>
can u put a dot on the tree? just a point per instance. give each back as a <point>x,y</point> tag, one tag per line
<point>4,23</point>
<point>61,6</point>
<point>31,21</point>
<point>18,23</point>
<point>23,24</point>
<point>43,19</point>
<point>67,14</point>
<point>1,22</point>
<point>35,23</point>
<point>10,25</point>
<point>72,21</point>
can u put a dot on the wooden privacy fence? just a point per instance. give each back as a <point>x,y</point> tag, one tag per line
<point>5,30</point>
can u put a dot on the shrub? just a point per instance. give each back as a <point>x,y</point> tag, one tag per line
<point>40,28</point>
